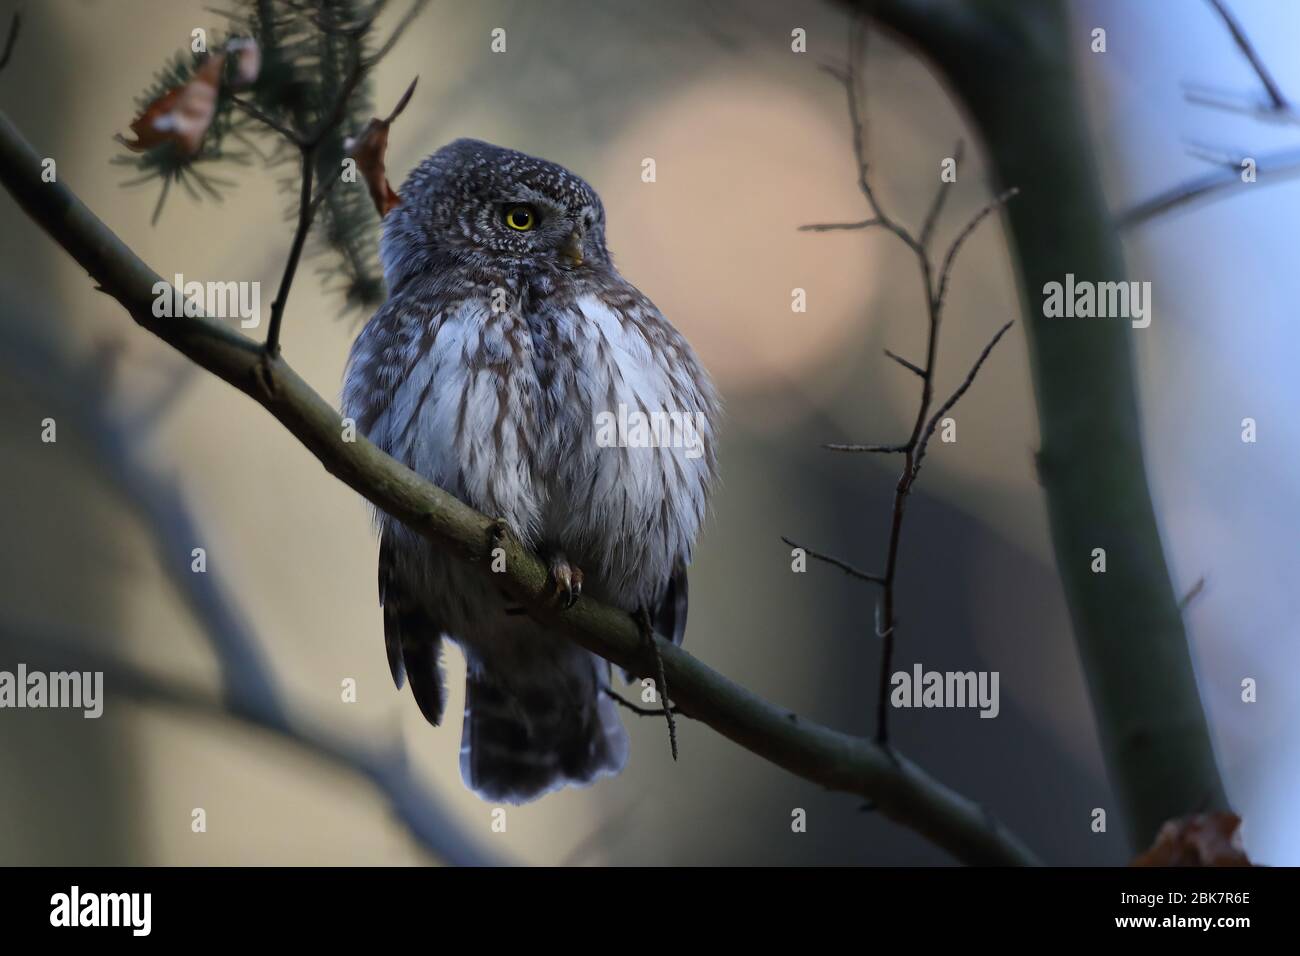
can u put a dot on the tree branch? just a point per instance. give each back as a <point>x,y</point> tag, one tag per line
<point>947,406</point>
<point>1127,624</point>
<point>387,768</point>
<point>249,690</point>
<point>827,757</point>
<point>844,566</point>
<point>941,197</point>
<point>1275,168</point>
<point>935,292</point>
<point>1257,64</point>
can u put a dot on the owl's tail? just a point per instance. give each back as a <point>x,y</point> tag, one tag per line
<point>520,743</point>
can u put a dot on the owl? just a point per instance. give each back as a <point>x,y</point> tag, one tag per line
<point>515,367</point>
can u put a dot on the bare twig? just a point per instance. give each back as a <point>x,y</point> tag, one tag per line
<point>637,709</point>
<point>844,566</point>
<point>956,397</point>
<point>940,197</point>
<point>915,369</point>
<point>1274,168</point>
<point>413,11</point>
<point>306,212</point>
<point>840,226</point>
<point>1192,594</point>
<point>412,802</point>
<point>646,629</point>
<point>827,757</point>
<point>1257,64</point>
<point>268,121</point>
<point>950,259</point>
<point>249,690</point>
<point>936,289</point>
<point>1132,640</point>
<point>309,145</point>
<point>1242,103</point>
<point>875,449</point>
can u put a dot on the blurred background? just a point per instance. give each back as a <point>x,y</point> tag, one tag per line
<point>750,140</point>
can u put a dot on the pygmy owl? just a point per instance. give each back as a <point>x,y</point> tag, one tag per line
<point>513,366</point>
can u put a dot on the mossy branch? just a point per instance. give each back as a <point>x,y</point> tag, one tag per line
<point>897,787</point>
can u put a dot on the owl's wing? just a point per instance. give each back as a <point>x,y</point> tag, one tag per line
<point>669,617</point>
<point>412,637</point>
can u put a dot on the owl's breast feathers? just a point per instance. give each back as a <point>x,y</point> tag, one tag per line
<point>538,411</point>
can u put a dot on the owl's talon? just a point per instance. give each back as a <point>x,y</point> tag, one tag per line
<point>499,530</point>
<point>566,581</point>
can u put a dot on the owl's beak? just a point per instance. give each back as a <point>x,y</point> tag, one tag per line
<point>571,251</point>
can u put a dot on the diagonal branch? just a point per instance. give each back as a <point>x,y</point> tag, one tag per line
<point>309,146</point>
<point>835,760</point>
<point>940,198</point>
<point>1275,168</point>
<point>956,397</point>
<point>840,226</point>
<point>385,767</point>
<point>1256,63</point>
<point>249,690</point>
<point>873,449</point>
<point>844,566</point>
<point>950,259</point>
<point>914,369</point>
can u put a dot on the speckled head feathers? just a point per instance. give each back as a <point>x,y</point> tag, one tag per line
<point>455,206</point>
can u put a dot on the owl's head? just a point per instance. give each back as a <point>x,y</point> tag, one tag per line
<point>482,207</point>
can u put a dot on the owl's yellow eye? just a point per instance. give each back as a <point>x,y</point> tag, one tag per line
<point>521,218</point>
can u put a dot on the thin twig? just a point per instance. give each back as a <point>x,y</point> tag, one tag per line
<point>844,566</point>
<point>14,26</point>
<point>646,628</point>
<point>1243,43</point>
<point>1193,593</point>
<point>832,759</point>
<point>637,708</point>
<point>941,197</point>
<point>306,212</point>
<point>1275,168</point>
<point>250,693</point>
<point>418,807</point>
<point>839,226</point>
<point>412,12</point>
<point>1242,103</point>
<point>308,204</point>
<point>945,271</point>
<point>906,364</point>
<point>935,294</point>
<point>947,406</point>
<point>877,449</point>
<point>268,121</point>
